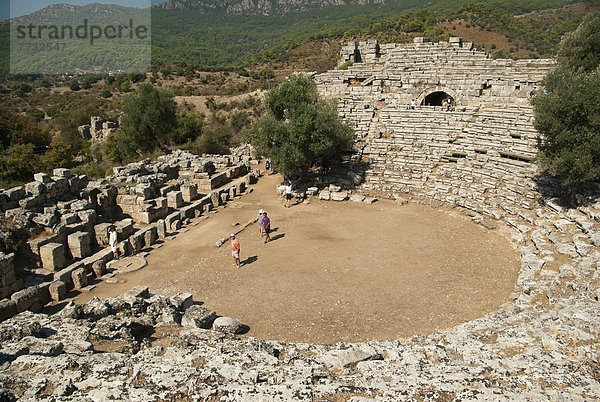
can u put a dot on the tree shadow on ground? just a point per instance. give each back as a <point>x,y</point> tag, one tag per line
<point>550,188</point>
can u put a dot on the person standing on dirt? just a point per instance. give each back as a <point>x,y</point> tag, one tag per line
<point>267,166</point>
<point>288,194</point>
<point>112,241</point>
<point>259,219</point>
<point>267,226</point>
<point>235,250</point>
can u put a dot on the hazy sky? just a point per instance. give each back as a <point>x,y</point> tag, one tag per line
<point>17,8</point>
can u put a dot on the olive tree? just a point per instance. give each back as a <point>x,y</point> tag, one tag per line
<point>567,111</point>
<point>298,129</point>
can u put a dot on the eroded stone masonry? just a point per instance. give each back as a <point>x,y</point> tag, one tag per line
<point>543,344</point>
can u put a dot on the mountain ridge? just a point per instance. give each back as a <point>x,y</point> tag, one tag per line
<point>258,7</point>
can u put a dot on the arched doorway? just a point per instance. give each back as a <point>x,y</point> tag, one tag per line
<point>437,98</point>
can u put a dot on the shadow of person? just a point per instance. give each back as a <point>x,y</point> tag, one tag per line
<point>249,260</point>
<point>279,236</point>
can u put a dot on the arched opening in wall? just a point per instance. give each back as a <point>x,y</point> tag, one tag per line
<point>437,98</point>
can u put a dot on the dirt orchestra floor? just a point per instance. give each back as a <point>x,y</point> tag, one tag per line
<point>334,271</point>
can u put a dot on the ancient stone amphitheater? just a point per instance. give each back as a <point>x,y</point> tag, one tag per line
<point>477,154</point>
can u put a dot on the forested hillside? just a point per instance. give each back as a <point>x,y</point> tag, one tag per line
<point>200,53</point>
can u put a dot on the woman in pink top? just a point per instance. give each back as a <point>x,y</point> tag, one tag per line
<point>235,249</point>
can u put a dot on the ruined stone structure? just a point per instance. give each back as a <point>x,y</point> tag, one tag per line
<point>68,217</point>
<point>543,344</point>
<point>474,154</point>
<point>98,129</point>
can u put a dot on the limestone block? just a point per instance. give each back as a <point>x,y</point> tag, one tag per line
<point>139,291</point>
<point>41,178</point>
<point>58,290</point>
<point>15,193</point>
<point>8,308</point>
<point>198,317</point>
<point>79,278</point>
<point>69,219</point>
<point>215,199</point>
<point>61,172</point>
<point>125,228</point>
<point>324,195</point>
<point>189,192</point>
<point>137,242</point>
<point>224,197</point>
<point>80,244</point>
<point>338,359</point>
<point>53,256</point>
<point>161,228</point>
<point>339,196</point>
<point>357,198</point>
<point>35,188</point>
<point>150,236</point>
<point>228,325</point>
<point>182,301</point>
<point>101,232</point>
<point>26,299</point>
<point>99,268</point>
<point>175,199</point>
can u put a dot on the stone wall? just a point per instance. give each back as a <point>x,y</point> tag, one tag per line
<point>477,154</point>
<point>399,73</point>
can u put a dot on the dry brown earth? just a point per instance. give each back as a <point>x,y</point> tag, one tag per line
<point>335,271</point>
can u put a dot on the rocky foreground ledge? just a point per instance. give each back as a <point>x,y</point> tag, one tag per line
<point>142,347</point>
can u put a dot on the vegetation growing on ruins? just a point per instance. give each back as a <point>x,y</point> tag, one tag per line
<point>299,130</point>
<point>567,112</point>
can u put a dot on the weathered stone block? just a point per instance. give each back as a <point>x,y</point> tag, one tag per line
<point>26,299</point>
<point>58,290</point>
<point>339,196</point>
<point>125,228</point>
<point>79,278</point>
<point>150,236</point>
<point>175,199</point>
<point>139,291</point>
<point>189,192</point>
<point>42,178</point>
<point>53,256</point>
<point>80,244</point>
<point>101,231</point>
<point>228,325</point>
<point>182,301</point>
<point>137,242</point>
<point>161,228</point>
<point>61,172</point>
<point>198,317</point>
<point>8,308</point>
<point>99,268</point>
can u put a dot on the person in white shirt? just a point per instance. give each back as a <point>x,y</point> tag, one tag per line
<point>288,194</point>
<point>112,240</point>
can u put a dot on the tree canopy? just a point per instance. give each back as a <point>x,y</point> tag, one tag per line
<point>299,130</point>
<point>567,112</point>
<point>149,117</point>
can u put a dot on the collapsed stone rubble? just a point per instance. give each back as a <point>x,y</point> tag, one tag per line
<point>68,217</point>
